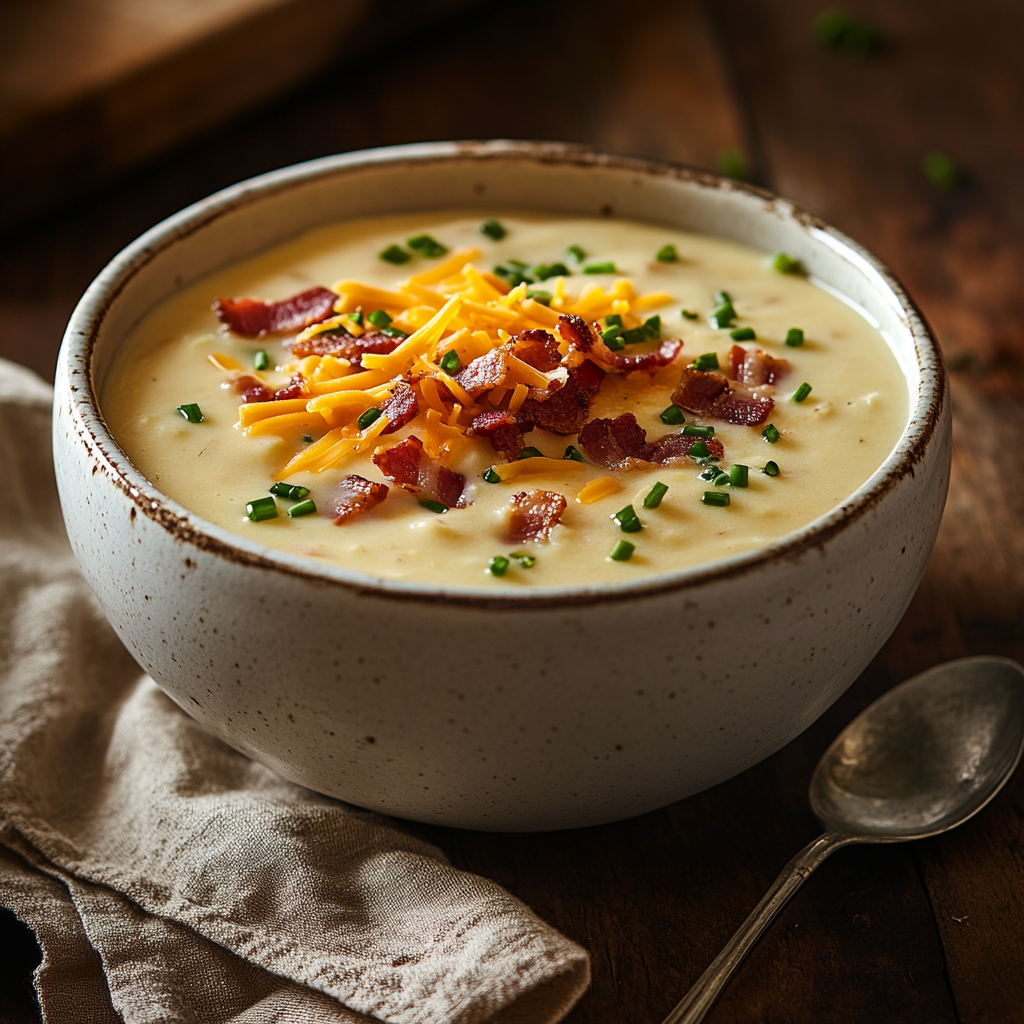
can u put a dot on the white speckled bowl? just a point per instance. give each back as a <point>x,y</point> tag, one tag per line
<point>429,702</point>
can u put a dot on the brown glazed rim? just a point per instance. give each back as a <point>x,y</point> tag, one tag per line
<point>105,455</point>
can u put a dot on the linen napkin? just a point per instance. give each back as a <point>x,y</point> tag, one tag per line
<point>170,879</point>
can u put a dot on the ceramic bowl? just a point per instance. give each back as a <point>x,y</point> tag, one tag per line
<point>429,702</point>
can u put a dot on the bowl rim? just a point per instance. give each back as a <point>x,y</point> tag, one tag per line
<point>77,350</point>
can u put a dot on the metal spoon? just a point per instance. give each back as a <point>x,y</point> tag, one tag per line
<point>919,761</point>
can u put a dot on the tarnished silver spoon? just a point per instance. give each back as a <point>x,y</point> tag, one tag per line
<point>920,760</point>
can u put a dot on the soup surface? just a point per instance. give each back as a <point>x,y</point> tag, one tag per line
<point>418,375</point>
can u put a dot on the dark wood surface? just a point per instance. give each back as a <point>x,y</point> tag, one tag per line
<point>927,932</point>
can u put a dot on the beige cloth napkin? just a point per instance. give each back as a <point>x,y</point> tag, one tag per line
<point>169,878</point>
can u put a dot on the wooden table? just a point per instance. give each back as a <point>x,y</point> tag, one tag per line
<point>929,932</point>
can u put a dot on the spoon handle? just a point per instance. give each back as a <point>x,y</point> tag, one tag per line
<point>696,1003</point>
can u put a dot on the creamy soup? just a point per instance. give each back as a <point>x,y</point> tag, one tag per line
<point>463,402</point>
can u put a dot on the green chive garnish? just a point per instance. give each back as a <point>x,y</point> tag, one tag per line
<point>698,450</point>
<point>611,334</point>
<point>308,438</point>
<point>672,415</point>
<point>576,253</point>
<point>426,246</point>
<point>491,476</point>
<point>722,298</point>
<point>544,298</point>
<point>655,494</point>
<point>260,359</point>
<point>302,508</point>
<point>191,412</point>
<point>291,491</point>
<point>573,454</point>
<point>688,314</point>
<point>743,334</point>
<point>627,520</point>
<point>600,268</point>
<point>498,565</point>
<point>614,340</point>
<point>940,170</point>
<point>708,361</point>
<point>692,430</point>
<point>652,327</point>
<point>634,336</point>
<point>529,452</point>
<point>379,318</point>
<point>613,320</point>
<point>356,317</point>
<point>546,270</point>
<point>721,479</point>
<point>513,275</point>
<point>723,316</point>
<point>771,469</point>
<point>738,476</point>
<point>770,433</point>
<point>433,506</point>
<point>450,362</point>
<point>393,332</point>
<point>525,560</point>
<point>786,264</point>
<point>794,337</point>
<point>493,229</point>
<point>717,498</point>
<point>260,509</point>
<point>667,254</point>
<point>622,552</point>
<point>368,417</point>
<point>802,392</point>
<point>395,254</point>
<point>709,473</point>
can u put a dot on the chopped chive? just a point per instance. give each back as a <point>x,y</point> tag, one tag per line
<point>292,491</point>
<point>743,334</point>
<point>433,506</point>
<point>513,276</point>
<point>802,392</point>
<point>723,316</point>
<point>698,450</point>
<point>706,460</point>
<point>356,317</point>
<point>450,362</point>
<point>498,565</point>
<point>379,318</point>
<point>493,229</point>
<point>655,494</point>
<point>573,454</point>
<point>771,469</point>
<point>786,264</point>
<point>544,298</point>
<point>529,452</point>
<point>260,359</point>
<point>794,337</point>
<point>546,270</point>
<point>721,478</point>
<point>622,552</point>
<point>738,476</point>
<point>611,333</point>
<point>426,246</point>
<point>525,560</point>
<point>368,417</point>
<point>302,508</point>
<point>613,320</point>
<point>717,498</point>
<point>940,170</point>
<point>692,430</point>
<point>393,332</point>
<point>652,327</point>
<point>627,520</point>
<point>394,254</point>
<point>723,298</point>
<point>491,476</point>
<point>708,361</point>
<point>634,336</point>
<point>614,341</point>
<point>667,254</point>
<point>607,267</point>
<point>308,438</point>
<point>260,509</point>
<point>673,414</point>
<point>688,314</point>
<point>519,265</point>
<point>709,473</point>
<point>770,433</point>
<point>576,253</point>
<point>191,412</point>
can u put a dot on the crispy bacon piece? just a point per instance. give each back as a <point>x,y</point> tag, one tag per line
<point>293,389</point>
<point>710,394</point>
<point>254,317</point>
<point>503,431</point>
<point>565,410</point>
<point>538,348</point>
<point>407,465</point>
<point>485,372</point>
<point>252,390</point>
<point>583,339</point>
<point>355,494</point>
<point>533,515</point>
<point>621,443</point>
<point>401,408</point>
<point>335,343</point>
<point>755,367</point>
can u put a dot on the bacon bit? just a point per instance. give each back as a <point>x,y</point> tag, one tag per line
<point>332,343</point>
<point>401,408</point>
<point>755,367</point>
<point>293,389</point>
<point>565,410</point>
<point>503,430</point>
<point>710,394</point>
<point>485,372</point>
<point>534,514</point>
<point>355,494</point>
<point>252,390</point>
<point>584,339</point>
<point>537,348</point>
<point>406,465</point>
<point>621,443</point>
<point>254,317</point>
